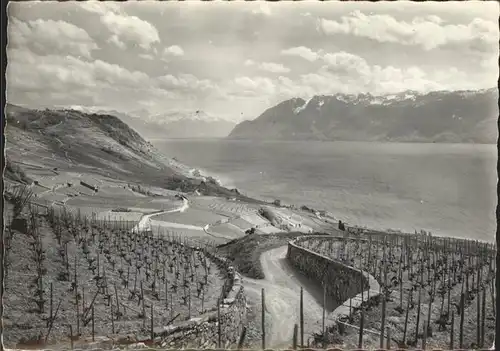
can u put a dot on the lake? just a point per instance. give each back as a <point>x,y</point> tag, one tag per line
<point>448,189</point>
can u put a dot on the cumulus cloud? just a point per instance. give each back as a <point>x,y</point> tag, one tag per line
<point>125,29</point>
<point>173,50</point>
<point>27,70</point>
<point>301,51</point>
<point>131,29</point>
<point>185,82</point>
<point>51,36</point>
<point>117,42</point>
<point>274,67</point>
<point>347,73</point>
<point>146,56</point>
<point>100,7</point>
<point>268,66</point>
<point>429,32</point>
<point>255,86</point>
<point>262,9</point>
<point>51,77</point>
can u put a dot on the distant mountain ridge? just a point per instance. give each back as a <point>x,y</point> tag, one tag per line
<point>454,117</point>
<point>171,124</point>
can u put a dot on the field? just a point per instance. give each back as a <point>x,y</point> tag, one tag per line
<point>437,290</point>
<point>227,230</point>
<point>223,206</point>
<point>68,275</point>
<point>193,217</point>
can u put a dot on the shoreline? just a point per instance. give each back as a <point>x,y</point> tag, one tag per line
<point>329,215</point>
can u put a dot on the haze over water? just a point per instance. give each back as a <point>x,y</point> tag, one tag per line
<point>448,189</point>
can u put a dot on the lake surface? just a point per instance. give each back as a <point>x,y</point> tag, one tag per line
<point>448,189</point>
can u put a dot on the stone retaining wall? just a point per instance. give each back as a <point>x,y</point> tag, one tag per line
<point>346,285</point>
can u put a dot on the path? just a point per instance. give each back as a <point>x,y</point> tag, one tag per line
<point>282,295</point>
<point>145,222</point>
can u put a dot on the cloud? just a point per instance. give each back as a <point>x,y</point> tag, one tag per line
<point>117,42</point>
<point>246,86</point>
<point>301,51</point>
<point>262,9</point>
<point>429,32</point>
<point>267,66</point>
<point>186,82</point>
<point>274,67</point>
<point>51,36</point>
<point>146,56</point>
<point>346,64</point>
<point>131,29</point>
<point>173,50</point>
<point>344,72</point>
<point>28,71</point>
<point>125,29</point>
<point>100,7</point>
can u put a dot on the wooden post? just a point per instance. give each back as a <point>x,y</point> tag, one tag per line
<point>152,324</point>
<point>189,302</point>
<point>112,317</point>
<point>462,315</point>
<point>219,326</point>
<point>51,300</point>
<point>242,338</point>
<point>143,307</point>
<point>117,300</point>
<point>361,326</point>
<point>452,329</point>
<point>263,308</point>
<point>424,338</point>
<point>93,324</point>
<point>301,317</point>
<point>388,336</point>
<point>295,336</point>
<point>418,315</point>
<point>406,320</point>
<point>71,335</point>
<point>478,314</point>
<point>429,312</point>
<point>483,317</point>
<point>324,309</point>
<point>382,327</point>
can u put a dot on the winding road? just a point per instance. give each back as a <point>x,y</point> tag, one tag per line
<point>282,298</point>
<point>145,222</point>
<point>282,285</point>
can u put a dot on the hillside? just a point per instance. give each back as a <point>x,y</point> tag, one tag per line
<point>461,117</point>
<point>100,144</point>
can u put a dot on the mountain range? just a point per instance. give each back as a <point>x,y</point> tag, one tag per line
<point>170,125</point>
<point>449,117</point>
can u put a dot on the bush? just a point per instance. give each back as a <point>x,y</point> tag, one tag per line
<point>14,172</point>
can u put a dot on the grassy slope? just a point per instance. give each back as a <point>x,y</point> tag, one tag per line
<point>100,144</point>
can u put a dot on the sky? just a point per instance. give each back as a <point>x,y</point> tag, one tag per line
<point>234,60</point>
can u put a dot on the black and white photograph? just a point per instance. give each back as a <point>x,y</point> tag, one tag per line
<point>250,175</point>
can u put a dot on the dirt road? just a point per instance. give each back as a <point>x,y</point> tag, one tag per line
<point>282,296</point>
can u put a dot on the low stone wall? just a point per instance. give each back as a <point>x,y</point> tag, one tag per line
<point>346,285</point>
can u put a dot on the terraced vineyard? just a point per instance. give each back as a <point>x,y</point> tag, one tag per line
<point>439,291</point>
<point>69,275</point>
